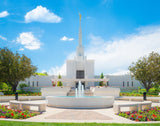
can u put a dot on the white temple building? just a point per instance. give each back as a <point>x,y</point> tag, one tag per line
<point>81,68</point>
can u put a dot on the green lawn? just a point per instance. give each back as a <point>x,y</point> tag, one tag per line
<point>15,123</point>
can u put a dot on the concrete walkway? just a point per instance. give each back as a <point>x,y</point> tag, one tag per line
<point>81,115</point>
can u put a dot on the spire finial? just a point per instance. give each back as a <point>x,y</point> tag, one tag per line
<point>80,17</point>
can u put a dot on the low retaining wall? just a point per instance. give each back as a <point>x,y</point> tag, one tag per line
<point>108,91</point>
<point>55,91</point>
<point>129,98</point>
<point>20,98</point>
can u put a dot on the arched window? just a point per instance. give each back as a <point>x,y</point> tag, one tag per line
<point>107,83</point>
<point>37,83</point>
<point>33,84</point>
<point>123,84</point>
<point>132,83</point>
<point>28,83</point>
<point>127,83</point>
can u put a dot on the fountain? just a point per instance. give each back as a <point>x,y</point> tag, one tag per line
<point>79,100</point>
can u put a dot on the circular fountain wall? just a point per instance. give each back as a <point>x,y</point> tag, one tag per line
<point>80,102</point>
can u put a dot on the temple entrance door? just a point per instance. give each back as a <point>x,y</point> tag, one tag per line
<point>80,74</point>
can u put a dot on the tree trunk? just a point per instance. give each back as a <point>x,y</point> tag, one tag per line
<point>14,86</point>
<point>147,89</point>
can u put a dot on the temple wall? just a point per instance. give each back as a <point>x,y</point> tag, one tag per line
<point>114,81</point>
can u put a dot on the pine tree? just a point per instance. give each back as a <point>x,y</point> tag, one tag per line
<point>101,77</point>
<point>59,83</point>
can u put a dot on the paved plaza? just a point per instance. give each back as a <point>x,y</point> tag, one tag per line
<point>105,115</point>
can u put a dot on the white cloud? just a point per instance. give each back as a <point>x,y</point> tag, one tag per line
<point>57,70</point>
<point>3,38</point>
<point>29,41</point>
<point>41,14</point>
<point>64,38</point>
<point>21,49</point>
<point>115,56</point>
<point>62,69</point>
<point>4,14</point>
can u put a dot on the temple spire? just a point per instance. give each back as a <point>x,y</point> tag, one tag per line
<point>80,31</point>
<point>80,48</point>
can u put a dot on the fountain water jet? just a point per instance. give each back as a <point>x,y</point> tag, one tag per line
<point>76,92</point>
<point>80,90</point>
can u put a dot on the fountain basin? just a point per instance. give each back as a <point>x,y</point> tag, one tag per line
<point>80,102</point>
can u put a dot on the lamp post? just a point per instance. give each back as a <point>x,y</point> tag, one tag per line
<point>16,96</point>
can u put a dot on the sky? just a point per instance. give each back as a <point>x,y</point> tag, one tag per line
<point>115,33</point>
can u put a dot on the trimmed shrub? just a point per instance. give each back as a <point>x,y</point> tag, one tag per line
<point>22,85</point>
<point>3,86</point>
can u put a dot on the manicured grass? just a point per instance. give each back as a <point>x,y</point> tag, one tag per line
<point>15,123</point>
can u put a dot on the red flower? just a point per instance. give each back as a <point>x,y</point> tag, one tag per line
<point>140,116</point>
<point>25,116</point>
<point>12,114</point>
<point>148,119</point>
<point>132,116</point>
<point>137,120</point>
<point>128,113</point>
<point>154,115</point>
<point>19,111</point>
<point>22,114</point>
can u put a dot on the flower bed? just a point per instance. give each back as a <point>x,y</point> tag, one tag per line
<point>6,112</point>
<point>152,114</point>
<point>136,94</point>
<point>24,94</point>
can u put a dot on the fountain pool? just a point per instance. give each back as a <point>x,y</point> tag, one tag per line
<point>80,101</point>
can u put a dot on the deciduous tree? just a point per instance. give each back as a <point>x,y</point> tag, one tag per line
<point>147,70</point>
<point>14,67</point>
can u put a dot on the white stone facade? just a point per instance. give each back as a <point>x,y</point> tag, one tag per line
<point>114,81</point>
<point>87,66</point>
<point>122,81</point>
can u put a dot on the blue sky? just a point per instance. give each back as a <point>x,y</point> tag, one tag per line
<point>115,32</point>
